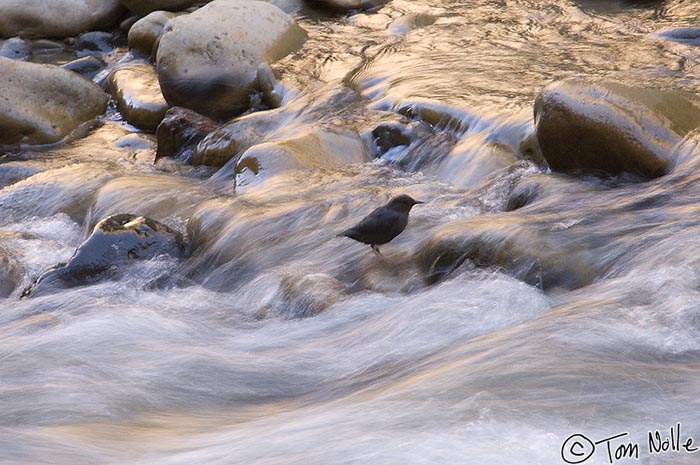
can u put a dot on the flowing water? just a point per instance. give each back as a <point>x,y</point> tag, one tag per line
<point>276,342</point>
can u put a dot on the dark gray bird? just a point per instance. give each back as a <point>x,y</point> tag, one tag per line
<point>383,224</point>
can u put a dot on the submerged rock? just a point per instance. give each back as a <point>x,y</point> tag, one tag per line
<point>87,66</point>
<point>208,60</point>
<point>608,128</point>
<point>143,35</point>
<point>114,243</point>
<point>180,132</point>
<point>138,96</point>
<point>10,275</point>
<point>320,149</point>
<point>42,104</point>
<point>36,19</point>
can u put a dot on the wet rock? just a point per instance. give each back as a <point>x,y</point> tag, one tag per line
<point>533,252</point>
<point>15,48</point>
<point>180,132</point>
<point>272,90</point>
<point>13,172</point>
<point>41,104</point>
<point>320,149</point>
<point>143,7</point>
<point>684,35</point>
<point>136,90</point>
<point>229,140</point>
<point>95,43</point>
<point>35,19</point>
<point>473,159</point>
<point>608,128</point>
<point>144,34</point>
<point>114,243</point>
<point>155,196</point>
<point>208,60</point>
<point>10,274</point>
<point>348,4</point>
<point>389,135</point>
<point>69,189</point>
<point>87,66</point>
<point>303,295</point>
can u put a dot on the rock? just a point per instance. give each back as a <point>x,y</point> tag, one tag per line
<point>684,35</point>
<point>145,32</point>
<point>35,19</point>
<point>529,251</point>
<point>144,7</point>
<point>229,140</point>
<point>136,90</point>
<point>95,43</point>
<point>208,60</point>
<point>320,149</point>
<point>10,274</point>
<point>42,104</point>
<point>180,132</point>
<point>608,128</point>
<point>87,66</point>
<point>389,135</point>
<point>348,4</point>
<point>13,172</point>
<point>303,295</point>
<point>15,48</point>
<point>473,159</point>
<point>155,196</point>
<point>114,243</point>
<point>68,190</point>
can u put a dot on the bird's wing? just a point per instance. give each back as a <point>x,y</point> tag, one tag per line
<point>379,227</point>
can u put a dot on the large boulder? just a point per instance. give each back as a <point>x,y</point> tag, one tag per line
<point>115,242</point>
<point>609,128</point>
<point>36,19</point>
<point>136,90</point>
<point>208,60</point>
<point>42,104</point>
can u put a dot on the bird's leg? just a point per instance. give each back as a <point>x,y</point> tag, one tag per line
<point>375,247</point>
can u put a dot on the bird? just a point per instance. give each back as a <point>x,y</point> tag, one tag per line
<point>383,224</point>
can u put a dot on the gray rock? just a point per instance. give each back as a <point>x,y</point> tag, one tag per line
<point>143,35</point>
<point>15,48</point>
<point>115,242</point>
<point>609,128</point>
<point>42,104</point>
<point>208,60</point>
<point>35,19</point>
<point>87,66</point>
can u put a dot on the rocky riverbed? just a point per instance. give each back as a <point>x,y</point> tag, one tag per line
<point>174,174</point>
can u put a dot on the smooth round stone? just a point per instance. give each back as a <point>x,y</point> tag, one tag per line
<point>15,48</point>
<point>35,19</point>
<point>138,96</point>
<point>208,60</point>
<point>144,34</point>
<point>609,128</point>
<point>42,104</point>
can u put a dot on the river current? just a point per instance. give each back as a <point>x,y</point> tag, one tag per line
<point>276,342</point>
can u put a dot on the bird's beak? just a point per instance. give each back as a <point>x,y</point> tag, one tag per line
<point>417,201</point>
